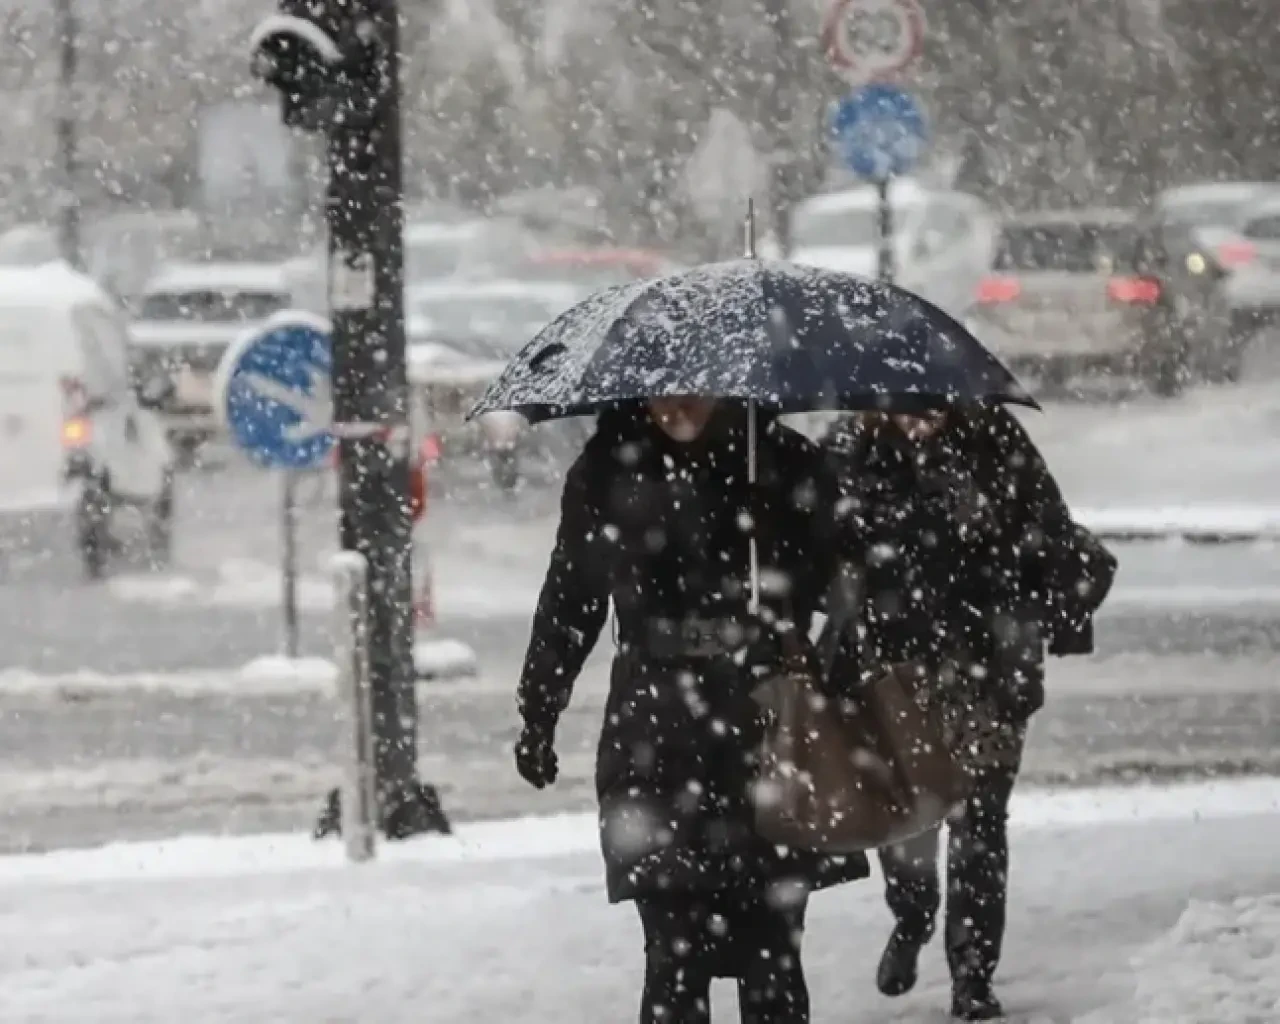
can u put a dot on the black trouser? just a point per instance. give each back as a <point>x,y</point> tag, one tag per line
<point>688,943</point>
<point>977,879</point>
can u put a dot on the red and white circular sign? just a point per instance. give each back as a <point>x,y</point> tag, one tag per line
<point>869,39</point>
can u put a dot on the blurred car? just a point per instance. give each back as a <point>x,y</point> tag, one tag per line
<point>562,216</point>
<point>943,241</point>
<point>433,250</point>
<point>1218,213</point>
<point>1045,306</point>
<point>591,268</point>
<point>76,442</point>
<point>1253,291</point>
<point>188,315</point>
<point>1170,296</point>
<point>461,334</point>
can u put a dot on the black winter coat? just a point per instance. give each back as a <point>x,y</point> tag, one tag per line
<point>974,551</point>
<point>661,530</point>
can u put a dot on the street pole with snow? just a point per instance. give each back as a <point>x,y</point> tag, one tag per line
<point>336,64</point>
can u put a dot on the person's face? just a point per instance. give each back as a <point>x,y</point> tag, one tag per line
<point>920,428</point>
<point>682,418</point>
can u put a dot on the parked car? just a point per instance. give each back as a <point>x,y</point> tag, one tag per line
<point>76,442</point>
<point>1169,292</point>
<point>591,268</point>
<point>434,250</point>
<point>1253,291</point>
<point>461,335</point>
<point>1218,212</point>
<point>188,315</point>
<point>943,241</point>
<point>1045,307</point>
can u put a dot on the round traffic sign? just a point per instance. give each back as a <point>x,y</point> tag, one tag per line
<point>879,131</point>
<point>273,392</point>
<point>869,39</point>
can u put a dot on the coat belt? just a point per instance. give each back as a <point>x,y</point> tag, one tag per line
<point>666,639</point>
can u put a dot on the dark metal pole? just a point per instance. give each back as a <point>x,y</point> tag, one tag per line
<point>289,567</point>
<point>370,390</point>
<point>69,242</point>
<point>885,269</point>
<point>780,104</point>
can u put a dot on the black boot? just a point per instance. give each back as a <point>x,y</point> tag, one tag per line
<point>414,813</point>
<point>973,999</point>
<point>898,969</point>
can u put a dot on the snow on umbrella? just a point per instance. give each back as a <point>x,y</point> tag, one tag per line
<point>785,337</point>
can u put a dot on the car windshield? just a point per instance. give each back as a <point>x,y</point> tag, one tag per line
<point>1073,248</point>
<point>855,226</point>
<point>212,306</point>
<point>487,325</point>
<point>1209,213</point>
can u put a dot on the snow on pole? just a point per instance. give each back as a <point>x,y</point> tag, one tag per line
<point>351,655</point>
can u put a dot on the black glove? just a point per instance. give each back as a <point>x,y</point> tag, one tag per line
<point>536,759</point>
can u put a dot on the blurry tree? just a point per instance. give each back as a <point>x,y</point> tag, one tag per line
<point>1039,101</point>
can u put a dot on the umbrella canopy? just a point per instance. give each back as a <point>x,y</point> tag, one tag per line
<point>785,337</point>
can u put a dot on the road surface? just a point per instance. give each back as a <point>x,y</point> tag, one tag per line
<point>1184,682</point>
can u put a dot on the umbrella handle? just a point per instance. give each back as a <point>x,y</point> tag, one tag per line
<point>749,230</point>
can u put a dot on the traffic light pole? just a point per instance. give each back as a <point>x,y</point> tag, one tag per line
<point>364,212</point>
<point>69,209</point>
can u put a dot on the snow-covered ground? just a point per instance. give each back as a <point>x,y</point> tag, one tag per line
<point>1220,963</point>
<point>1211,449</point>
<point>1128,907</point>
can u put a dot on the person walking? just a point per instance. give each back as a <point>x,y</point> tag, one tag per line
<point>984,570</point>
<point>656,517</point>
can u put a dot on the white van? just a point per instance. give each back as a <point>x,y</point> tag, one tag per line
<point>75,444</point>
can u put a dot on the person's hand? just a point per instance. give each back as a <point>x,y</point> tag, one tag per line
<point>536,759</point>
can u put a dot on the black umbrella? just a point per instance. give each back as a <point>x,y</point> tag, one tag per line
<point>784,337</point>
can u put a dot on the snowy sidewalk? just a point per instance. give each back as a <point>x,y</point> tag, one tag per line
<point>510,924</point>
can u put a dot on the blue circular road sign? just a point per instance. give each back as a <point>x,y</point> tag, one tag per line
<point>879,131</point>
<point>274,392</point>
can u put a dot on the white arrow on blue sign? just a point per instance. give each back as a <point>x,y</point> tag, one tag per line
<point>879,131</point>
<point>274,391</point>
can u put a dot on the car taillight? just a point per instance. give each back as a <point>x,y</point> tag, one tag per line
<point>1134,291</point>
<point>76,432</point>
<point>1236,254</point>
<point>996,290</point>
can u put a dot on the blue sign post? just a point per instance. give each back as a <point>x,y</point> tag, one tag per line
<point>880,132</point>
<point>273,392</point>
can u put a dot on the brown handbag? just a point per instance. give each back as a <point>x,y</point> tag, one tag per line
<point>842,777</point>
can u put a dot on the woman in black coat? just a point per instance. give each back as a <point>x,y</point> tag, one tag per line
<point>984,570</point>
<point>656,517</point>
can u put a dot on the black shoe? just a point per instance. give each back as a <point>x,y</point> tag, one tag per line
<point>898,969</point>
<point>415,813</point>
<point>975,1001</point>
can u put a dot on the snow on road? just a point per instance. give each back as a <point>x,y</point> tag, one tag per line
<point>510,923</point>
<point>1213,447</point>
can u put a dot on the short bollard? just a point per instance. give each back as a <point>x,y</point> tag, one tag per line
<point>351,655</point>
